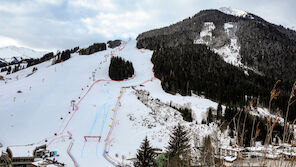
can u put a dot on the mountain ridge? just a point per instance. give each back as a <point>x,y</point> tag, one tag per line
<point>10,54</point>
<point>263,46</point>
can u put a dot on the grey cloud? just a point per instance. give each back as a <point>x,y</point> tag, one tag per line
<point>58,24</point>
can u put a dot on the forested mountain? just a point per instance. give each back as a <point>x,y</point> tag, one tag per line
<point>188,56</point>
<point>264,46</point>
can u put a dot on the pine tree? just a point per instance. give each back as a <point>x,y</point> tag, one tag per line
<point>207,152</point>
<point>203,121</point>
<point>219,112</point>
<point>210,116</point>
<point>145,155</point>
<point>179,148</point>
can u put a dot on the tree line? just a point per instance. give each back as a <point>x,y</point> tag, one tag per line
<point>120,69</point>
<point>196,69</point>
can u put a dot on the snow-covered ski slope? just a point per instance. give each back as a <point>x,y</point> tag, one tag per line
<point>109,112</point>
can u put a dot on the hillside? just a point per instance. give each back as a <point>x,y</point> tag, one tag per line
<point>253,42</point>
<point>221,74</point>
<point>39,107</point>
<point>259,50</point>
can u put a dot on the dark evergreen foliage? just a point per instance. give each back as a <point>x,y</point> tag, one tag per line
<point>47,57</point>
<point>62,56</point>
<point>185,112</point>
<point>8,69</point>
<point>260,124</point>
<point>203,121</point>
<point>96,47</point>
<point>196,68</point>
<point>44,58</point>
<point>210,116</point>
<point>219,112</point>
<point>65,55</point>
<point>114,44</point>
<point>269,48</point>
<point>120,69</point>
<point>178,151</point>
<point>145,155</point>
<point>3,64</point>
<point>183,32</point>
<point>74,49</point>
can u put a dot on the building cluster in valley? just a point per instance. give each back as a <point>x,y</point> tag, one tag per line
<point>29,156</point>
<point>235,155</point>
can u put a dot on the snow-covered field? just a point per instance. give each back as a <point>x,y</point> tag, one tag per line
<point>38,109</point>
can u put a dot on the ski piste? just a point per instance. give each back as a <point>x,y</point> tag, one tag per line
<point>101,126</point>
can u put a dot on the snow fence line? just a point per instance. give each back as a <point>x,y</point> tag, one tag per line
<point>107,140</point>
<point>70,155</point>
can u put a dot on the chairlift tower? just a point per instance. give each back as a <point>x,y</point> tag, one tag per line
<point>93,75</point>
<point>73,104</point>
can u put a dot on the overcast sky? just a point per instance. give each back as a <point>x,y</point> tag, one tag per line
<point>62,24</point>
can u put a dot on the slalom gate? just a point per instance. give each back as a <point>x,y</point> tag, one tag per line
<point>92,138</point>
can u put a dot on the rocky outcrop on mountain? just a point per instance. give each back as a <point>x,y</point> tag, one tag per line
<point>96,47</point>
<point>114,44</point>
<point>262,46</point>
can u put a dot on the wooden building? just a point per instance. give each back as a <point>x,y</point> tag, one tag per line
<point>23,156</point>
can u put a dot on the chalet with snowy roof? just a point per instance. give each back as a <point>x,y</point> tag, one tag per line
<point>233,151</point>
<point>23,156</point>
<point>229,154</point>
